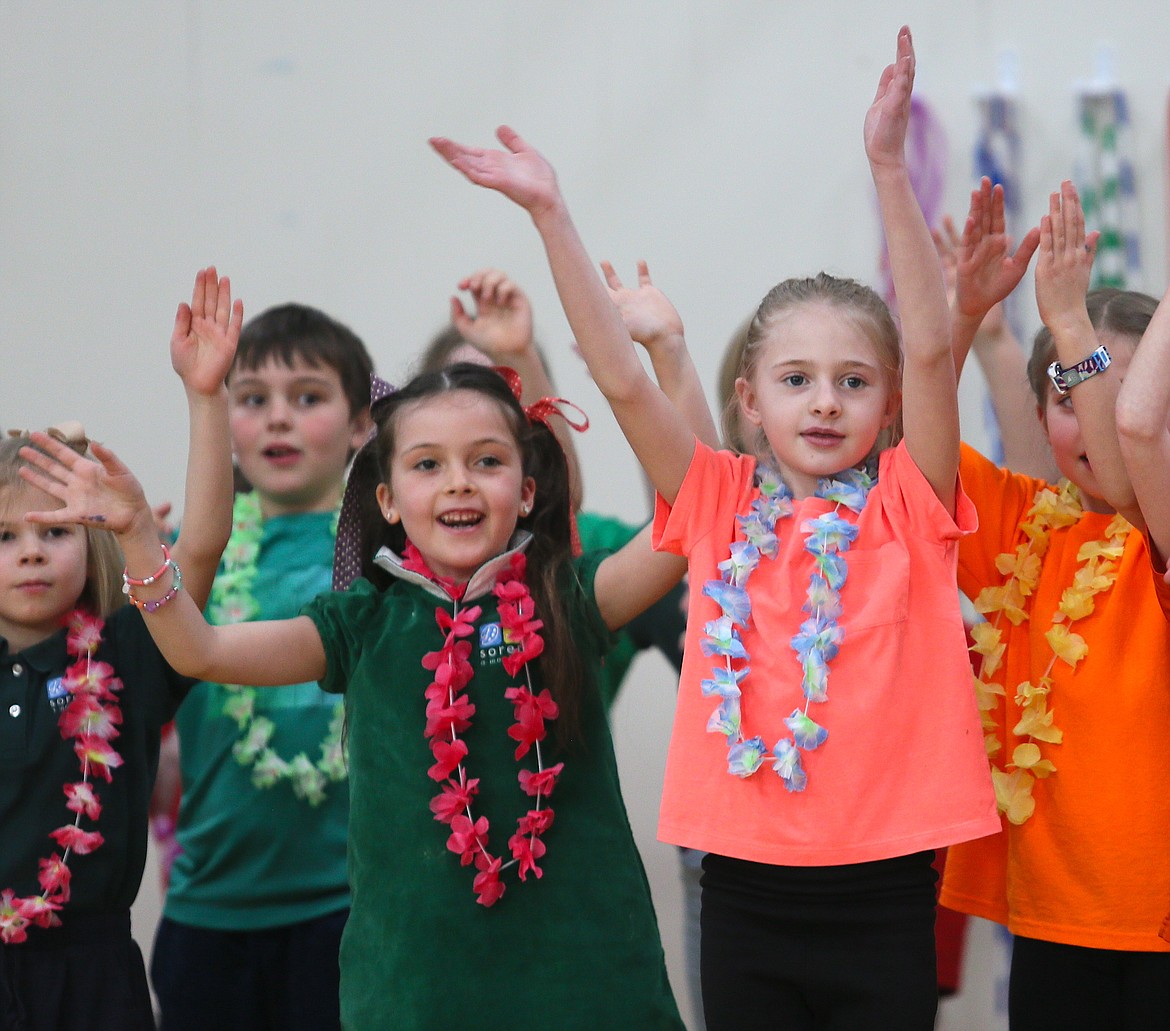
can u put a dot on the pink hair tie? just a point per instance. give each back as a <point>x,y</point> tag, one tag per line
<point>540,411</point>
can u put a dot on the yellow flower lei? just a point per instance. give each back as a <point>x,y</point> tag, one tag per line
<point>1051,509</point>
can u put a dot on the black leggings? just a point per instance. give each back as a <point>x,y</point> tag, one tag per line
<point>1069,987</point>
<point>825,948</point>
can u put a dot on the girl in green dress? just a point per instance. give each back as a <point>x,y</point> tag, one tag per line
<point>495,878</point>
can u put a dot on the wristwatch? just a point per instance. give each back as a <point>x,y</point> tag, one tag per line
<point>1065,379</point>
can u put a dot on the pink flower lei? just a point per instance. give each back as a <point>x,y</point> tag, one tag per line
<point>449,713</point>
<point>91,718</point>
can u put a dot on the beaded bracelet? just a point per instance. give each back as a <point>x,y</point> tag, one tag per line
<point>157,603</point>
<point>128,581</point>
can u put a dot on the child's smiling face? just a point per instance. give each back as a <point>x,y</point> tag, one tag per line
<point>293,433</point>
<point>456,481</point>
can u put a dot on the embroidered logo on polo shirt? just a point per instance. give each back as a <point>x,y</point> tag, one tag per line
<point>57,693</point>
<point>494,643</point>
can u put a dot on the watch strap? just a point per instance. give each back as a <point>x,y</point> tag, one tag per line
<point>1065,379</point>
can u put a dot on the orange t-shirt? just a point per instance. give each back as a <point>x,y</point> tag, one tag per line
<point>1091,867</point>
<point>903,768</point>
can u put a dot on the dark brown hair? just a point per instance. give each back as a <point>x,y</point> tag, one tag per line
<point>291,331</point>
<point>549,555</point>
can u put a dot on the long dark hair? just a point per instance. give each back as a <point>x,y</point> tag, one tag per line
<point>549,554</point>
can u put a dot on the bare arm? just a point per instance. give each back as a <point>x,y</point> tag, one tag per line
<point>1143,426</point>
<point>652,321</point>
<point>105,493</point>
<point>502,328</point>
<point>930,404</point>
<point>1062,280</point>
<point>657,432</point>
<point>981,272</point>
<point>203,345</point>
<point>633,578</point>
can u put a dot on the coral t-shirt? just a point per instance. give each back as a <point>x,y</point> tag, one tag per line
<point>903,768</point>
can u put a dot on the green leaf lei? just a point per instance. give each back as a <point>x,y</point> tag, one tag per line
<point>232,602</point>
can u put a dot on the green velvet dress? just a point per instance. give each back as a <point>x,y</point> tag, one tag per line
<point>578,948</point>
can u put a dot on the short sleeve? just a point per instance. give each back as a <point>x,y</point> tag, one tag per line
<point>1001,498</point>
<point>592,636</point>
<point>342,619</point>
<point>904,485</point>
<point>1158,571</point>
<point>136,650</point>
<point>717,485</point>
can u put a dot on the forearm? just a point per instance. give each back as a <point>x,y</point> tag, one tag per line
<point>257,653</point>
<point>964,329</point>
<point>655,430</point>
<point>915,268</point>
<point>596,324</point>
<point>1143,414</point>
<point>207,512</point>
<point>1094,401</point>
<point>679,381</point>
<point>1025,446</point>
<point>930,407</point>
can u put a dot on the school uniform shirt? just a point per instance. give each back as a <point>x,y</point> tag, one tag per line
<point>578,947</point>
<point>661,626</point>
<point>903,768</point>
<point>36,762</point>
<point>1091,866</point>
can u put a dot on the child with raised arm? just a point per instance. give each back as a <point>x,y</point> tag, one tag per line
<point>258,897</point>
<point>500,333</point>
<point>481,767</point>
<point>822,586</point>
<point>1075,657</point>
<point>85,693</point>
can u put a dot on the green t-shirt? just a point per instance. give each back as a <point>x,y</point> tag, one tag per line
<point>578,948</point>
<point>661,626</point>
<point>254,858</point>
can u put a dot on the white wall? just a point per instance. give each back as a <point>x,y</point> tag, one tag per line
<point>287,143</point>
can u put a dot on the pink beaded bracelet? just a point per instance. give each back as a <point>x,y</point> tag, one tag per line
<point>157,603</point>
<point>128,581</point>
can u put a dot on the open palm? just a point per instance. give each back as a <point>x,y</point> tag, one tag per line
<point>520,173</point>
<point>206,333</point>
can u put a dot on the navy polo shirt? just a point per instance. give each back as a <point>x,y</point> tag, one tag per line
<point>36,762</point>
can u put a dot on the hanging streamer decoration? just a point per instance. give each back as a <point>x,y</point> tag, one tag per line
<point>1108,188</point>
<point>997,156</point>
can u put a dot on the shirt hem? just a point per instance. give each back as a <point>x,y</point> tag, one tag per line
<point>835,855</point>
<point>235,918</point>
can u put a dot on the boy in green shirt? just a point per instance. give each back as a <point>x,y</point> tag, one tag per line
<point>258,895</point>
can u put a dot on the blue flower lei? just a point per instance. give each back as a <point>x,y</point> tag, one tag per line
<point>820,636</point>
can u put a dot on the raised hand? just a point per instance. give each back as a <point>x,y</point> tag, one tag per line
<point>888,116</point>
<point>1065,260</point>
<point>648,314</point>
<point>502,324</point>
<point>987,270</point>
<point>206,333</point>
<point>103,494</point>
<point>520,173</point>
